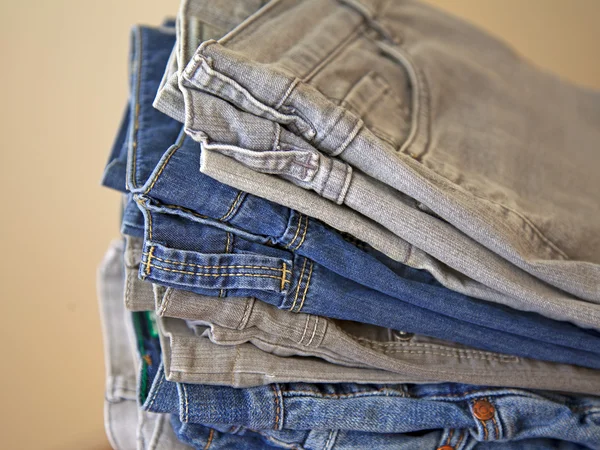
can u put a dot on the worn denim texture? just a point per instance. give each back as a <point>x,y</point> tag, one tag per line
<point>415,138</point>
<point>232,321</point>
<point>127,427</point>
<point>491,241</point>
<point>172,175</point>
<point>189,356</point>
<point>210,261</point>
<point>242,438</point>
<point>517,414</point>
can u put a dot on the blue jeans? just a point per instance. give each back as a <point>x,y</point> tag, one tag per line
<point>210,261</point>
<point>359,283</point>
<point>240,438</point>
<point>484,413</point>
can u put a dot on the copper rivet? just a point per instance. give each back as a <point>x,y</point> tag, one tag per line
<point>483,410</point>
<point>446,447</point>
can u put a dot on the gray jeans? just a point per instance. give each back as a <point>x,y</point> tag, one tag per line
<point>455,224</point>
<point>353,350</point>
<point>127,426</point>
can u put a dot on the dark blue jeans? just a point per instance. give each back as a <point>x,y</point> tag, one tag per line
<point>192,221</point>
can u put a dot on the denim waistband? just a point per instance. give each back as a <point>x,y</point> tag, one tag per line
<point>193,256</point>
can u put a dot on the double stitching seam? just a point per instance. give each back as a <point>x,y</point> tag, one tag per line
<point>297,231</point>
<point>314,331</point>
<point>306,287</point>
<point>234,206</point>
<point>136,123</point>
<point>246,315</point>
<point>303,234</point>
<point>299,284</point>
<point>162,377</point>
<point>165,161</point>
<point>224,266</point>
<point>166,301</point>
<point>308,316</point>
<point>215,275</point>
<point>330,439</point>
<point>277,406</point>
<point>496,428</point>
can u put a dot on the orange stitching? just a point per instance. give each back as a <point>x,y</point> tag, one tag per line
<point>232,207</point>
<point>303,235</point>
<point>149,260</point>
<point>306,287</point>
<point>277,407</point>
<point>210,438</point>
<point>213,267</point>
<point>449,436</point>
<point>297,231</point>
<point>176,147</point>
<point>215,275</point>
<point>283,276</point>
<point>460,438</point>
<point>299,283</point>
<point>496,428</point>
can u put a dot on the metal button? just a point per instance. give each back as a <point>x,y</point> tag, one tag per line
<point>483,409</point>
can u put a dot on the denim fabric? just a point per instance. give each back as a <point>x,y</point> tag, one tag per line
<point>287,228</point>
<point>207,260</point>
<point>399,213</point>
<point>189,356</point>
<point>471,150</point>
<point>233,321</point>
<point>510,414</point>
<point>116,167</point>
<point>241,438</point>
<point>127,427</point>
<point>510,285</point>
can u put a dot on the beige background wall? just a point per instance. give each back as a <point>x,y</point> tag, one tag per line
<point>63,90</point>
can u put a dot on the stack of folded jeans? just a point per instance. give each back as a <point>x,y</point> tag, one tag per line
<point>350,224</point>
